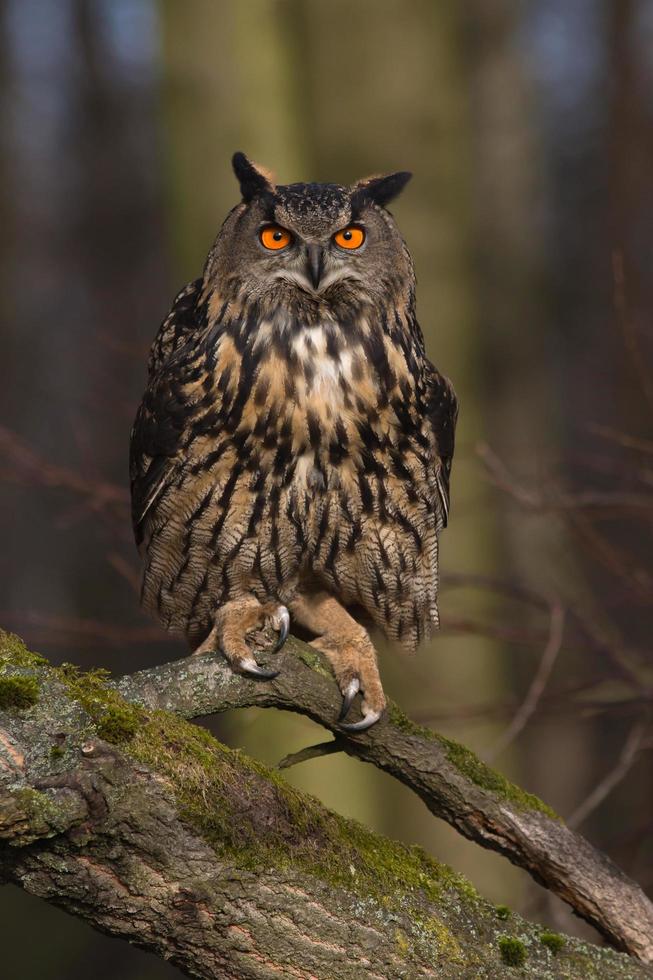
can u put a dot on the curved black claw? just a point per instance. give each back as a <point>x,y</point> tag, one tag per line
<point>250,666</point>
<point>352,690</point>
<point>284,628</point>
<point>366,722</point>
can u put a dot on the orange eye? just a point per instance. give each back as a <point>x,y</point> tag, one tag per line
<point>275,238</point>
<point>351,237</point>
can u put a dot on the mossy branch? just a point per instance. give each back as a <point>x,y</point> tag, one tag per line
<point>140,822</point>
<point>455,784</point>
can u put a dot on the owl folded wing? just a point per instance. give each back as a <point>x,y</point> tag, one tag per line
<point>442,413</point>
<point>157,436</point>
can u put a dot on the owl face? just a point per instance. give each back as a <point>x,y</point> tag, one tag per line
<point>311,241</point>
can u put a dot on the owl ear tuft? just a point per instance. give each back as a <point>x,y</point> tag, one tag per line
<point>379,190</point>
<point>254,180</point>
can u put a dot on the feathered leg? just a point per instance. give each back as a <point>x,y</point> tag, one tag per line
<point>350,651</point>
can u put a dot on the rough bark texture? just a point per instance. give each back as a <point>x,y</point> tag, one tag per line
<point>452,781</point>
<point>144,825</point>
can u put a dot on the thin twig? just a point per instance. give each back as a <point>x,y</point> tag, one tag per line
<point>622,438</point>
<point>631,749</point>
<point>20,462</point>
<point>560,501</point>
<point>67,630</point>
<point>538,684</point>
<point>311,752</point>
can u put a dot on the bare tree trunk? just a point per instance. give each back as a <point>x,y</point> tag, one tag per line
<point>141,823</point>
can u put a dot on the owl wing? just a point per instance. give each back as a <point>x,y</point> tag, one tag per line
<point>161,420</point>
<point>181,322</point>
<point>442,413</point>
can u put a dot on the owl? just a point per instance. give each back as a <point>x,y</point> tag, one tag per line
<point>292,452</point>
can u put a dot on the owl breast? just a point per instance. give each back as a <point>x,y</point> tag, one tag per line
<point>324,369</point>
<point>307,471</point>
<point>320,379</point>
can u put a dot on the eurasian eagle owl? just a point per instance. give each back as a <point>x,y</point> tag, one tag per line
<point>292,452</point>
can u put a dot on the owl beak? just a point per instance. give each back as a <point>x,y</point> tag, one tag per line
<point>315,264</point>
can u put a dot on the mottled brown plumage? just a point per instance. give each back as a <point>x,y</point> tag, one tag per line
<point>294,444</point>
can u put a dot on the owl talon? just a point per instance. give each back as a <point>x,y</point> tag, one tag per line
<point>249,666</point>
<point>366,722</point>
<point>281,621</point>
<point>350,693</point>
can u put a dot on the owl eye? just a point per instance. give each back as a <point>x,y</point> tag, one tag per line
<point>352,237</point>
<point>274,238</point>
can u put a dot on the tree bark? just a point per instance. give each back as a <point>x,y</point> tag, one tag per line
<point>122,812</point>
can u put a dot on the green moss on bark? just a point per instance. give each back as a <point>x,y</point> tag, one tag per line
<point>29,815</point>
<point>115,719</point>
<point>36,805</point>
<point>313,659</point>
<point>14,652</point>
<point>552,941</point>
<point>249,812</point>
<point>118,724</point>
<point>18,691</point>
<point>513,951</point>
<point>472,767</point>
<point>208,777</point>
<point>403,723</point>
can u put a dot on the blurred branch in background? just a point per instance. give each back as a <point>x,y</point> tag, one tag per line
<point>639,738</point>
<point>540,679</point>
<point>23,465</point>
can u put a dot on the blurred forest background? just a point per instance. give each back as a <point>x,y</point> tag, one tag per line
<point>529,127</point>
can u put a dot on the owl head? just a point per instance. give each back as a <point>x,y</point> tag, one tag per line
<point>312,241</point>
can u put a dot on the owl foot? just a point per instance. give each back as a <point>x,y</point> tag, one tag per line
<point>233,622</point>
<point>353,660</point>
<point>369,718</point>
<point>370,714</point>
<point>249,666</point>
<point>348,696</point>
<point>350,652</point>
<point>280,621</point>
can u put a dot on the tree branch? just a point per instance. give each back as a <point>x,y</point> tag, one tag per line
<point>144,825</point>
<point>455,785</point>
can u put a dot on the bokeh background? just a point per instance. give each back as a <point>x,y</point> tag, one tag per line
<point>529,127</point>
